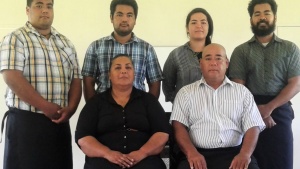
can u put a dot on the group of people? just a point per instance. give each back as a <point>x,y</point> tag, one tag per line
<point>232,114</point>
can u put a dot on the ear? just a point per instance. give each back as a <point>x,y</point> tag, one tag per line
<point>27,10</point>
<point>111,18</point>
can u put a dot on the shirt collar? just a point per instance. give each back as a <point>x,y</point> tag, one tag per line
<point>275,38</point>
<point>133,38</point>
<point>225,82</point>
<point>30,28</point>
<point>135,93</point>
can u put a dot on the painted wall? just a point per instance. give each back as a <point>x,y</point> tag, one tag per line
<point>161,23</point>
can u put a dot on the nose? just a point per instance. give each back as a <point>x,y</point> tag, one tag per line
<point>263,18</point>
<point>213,62</point>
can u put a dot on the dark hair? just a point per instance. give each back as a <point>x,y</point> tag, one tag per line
<point>131,3</point>
<point>209,20</point>
<point>117,56</point>
<point>29,2</point>
<point>252,4</point>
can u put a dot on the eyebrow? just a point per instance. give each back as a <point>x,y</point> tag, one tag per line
<point>119,64</point>
<point>197,20</point>
<point>41,3</point>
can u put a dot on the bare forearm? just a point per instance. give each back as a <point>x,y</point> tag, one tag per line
<point>183,139</point>
<point>287,93</point>
<point>155,144</point>
<point>75,93</point>
<point>88,87</point>
<point>250,140</point>
<point>154,88</point>
<point>92,147</point>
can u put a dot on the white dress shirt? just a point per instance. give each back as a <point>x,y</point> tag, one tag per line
<point>219,117</point>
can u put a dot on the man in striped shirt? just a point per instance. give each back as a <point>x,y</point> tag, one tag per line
<point>40,67</point>
<point>212,116</point>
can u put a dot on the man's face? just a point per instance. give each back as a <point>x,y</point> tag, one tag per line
<point>263,20</point>
<point>214,62</point>
<point>40,14</point>
<point>123,20</point>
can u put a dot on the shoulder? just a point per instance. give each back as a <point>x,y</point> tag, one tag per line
<point>141,41</point>
<point>241,89</point>
<point>190,89</point>
<point>144,95</point>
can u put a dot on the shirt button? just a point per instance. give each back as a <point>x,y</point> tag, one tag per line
<point>124,126</point>
<point>124,146</point>
<point>124,136</point>
<point>123,111</point>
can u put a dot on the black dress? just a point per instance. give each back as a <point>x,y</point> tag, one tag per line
<point>123,129</point>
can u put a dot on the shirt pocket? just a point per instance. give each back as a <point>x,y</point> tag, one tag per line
<point>67,58</point>
<point>231,110</point>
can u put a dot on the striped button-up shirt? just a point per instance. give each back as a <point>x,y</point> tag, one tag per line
<point>100,52</point>
<point>49,65</point>
<point>219,117</point>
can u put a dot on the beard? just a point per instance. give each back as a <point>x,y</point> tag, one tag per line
<point>122,32</point>
<point>263,31</point>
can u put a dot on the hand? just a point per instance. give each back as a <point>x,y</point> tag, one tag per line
<point>136,156</point>
<point>196,161</point>
<point>50,110</point>
<point>64,115</point>
<point>265,110</point>
<point>120,159</point>
<point>240,161</point>
<point>269,122</point>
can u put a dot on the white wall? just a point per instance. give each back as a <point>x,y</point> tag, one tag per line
<point>162,23</point>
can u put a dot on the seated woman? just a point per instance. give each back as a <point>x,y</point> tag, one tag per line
<point>122,127</point>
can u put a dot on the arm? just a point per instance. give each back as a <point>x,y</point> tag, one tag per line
<point>243,159</point>
<point>285,95</point>
<point>88,87</point>
<point>195,159</point>
<point>154,88</point>
<point>74,97</point>
<point>25,91</point>
<point>93,148</point>
<point>153,146</point>
<point>170,76</point>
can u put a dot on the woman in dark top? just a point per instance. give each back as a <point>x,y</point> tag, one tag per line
<point>182,65</point>
<point>122,127</point>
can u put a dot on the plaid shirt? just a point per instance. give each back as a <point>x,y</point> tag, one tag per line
<point>100,52</point>
<point>48,65</point>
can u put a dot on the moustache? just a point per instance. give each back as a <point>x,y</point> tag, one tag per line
<point>263,21</point>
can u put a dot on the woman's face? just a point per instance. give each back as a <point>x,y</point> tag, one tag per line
<point>121,72</point>
<point>197,27</point>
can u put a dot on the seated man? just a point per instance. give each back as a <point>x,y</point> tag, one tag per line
<point>212,116</point>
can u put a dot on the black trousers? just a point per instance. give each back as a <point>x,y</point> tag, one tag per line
<point>274,148</point>
<point>33,141</point>
<point>218,158</point>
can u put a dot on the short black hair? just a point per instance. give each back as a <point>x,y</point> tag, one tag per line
<point>131,3</point>
<point>253,3</point>
<point>29,2</point>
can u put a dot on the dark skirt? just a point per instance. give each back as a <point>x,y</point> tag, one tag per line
<point>274,148</point>
<point>151,162</point>
<point>33,141</point>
